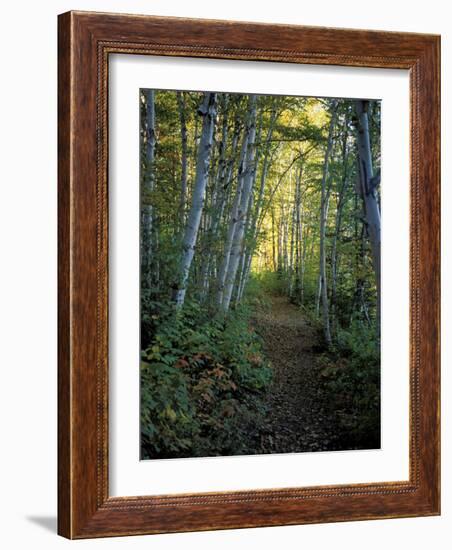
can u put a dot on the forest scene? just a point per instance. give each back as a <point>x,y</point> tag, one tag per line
<point>260,274</point>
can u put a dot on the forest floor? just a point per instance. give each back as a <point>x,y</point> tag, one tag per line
<point>297,419</point>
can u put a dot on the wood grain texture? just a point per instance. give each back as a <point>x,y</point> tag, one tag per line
<point>64,295</point>
<point>85,42</point>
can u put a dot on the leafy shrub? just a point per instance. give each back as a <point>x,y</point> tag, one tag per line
<point>202,383</point>
<point>269,282</point>
<point>166,410</point>
<point>351,374</point>
<point>255,294</point>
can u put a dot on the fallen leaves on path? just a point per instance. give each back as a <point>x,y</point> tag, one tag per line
<point>297,418</point>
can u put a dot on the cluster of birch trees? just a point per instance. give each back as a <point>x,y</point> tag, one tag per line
<point>237,185</point>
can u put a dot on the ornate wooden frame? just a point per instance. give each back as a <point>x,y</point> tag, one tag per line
<point>85,42</point>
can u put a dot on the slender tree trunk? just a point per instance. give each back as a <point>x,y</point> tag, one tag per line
<point>247,247</point>
<point>242,265</point>
<point>273,240</point>
<point>184,159</point>
<point>148,187</point>
<point>318,295</point>
<point>368,188</point>
<point>304,249</point>
<point>285,241</point>
<point>297,235</point>
<point>360,295</point>
<point>338,225</point>
<point>279,246</point>
<point>232,222</point>
<point>245,275</point>
<point>237,243</point>
<point>226,179</point>
<point>334,253</point>
<point>208,111</point>
<point>216,205</point>
<point>292,245</point>
<point>323,219</point>
<point>254,231</point>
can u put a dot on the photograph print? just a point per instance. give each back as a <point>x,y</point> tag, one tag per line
<point>260,274</point>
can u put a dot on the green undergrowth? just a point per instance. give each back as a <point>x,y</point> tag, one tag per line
<point>202,383</point>
<point>351,376</point>
<point>266,283</point>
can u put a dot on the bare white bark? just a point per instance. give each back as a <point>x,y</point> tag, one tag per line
<point>217,201</point>
<point>243,260</point>
<point>297,234</point>
<point>226,177</point>
<point>368,186</point>
<point>237,243</point>
<point>323,218</point>
<point>208,112</point>
<point>232,222</point>
<point>304,248</point>
<point>148,186</point>
<point>258,209</point>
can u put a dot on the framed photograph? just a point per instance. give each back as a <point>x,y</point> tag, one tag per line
<point>248,275</point>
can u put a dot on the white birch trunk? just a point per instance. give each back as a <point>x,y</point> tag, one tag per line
<point>297,232</point>
<point>148,186</point>
<point>237,243</point>
<point>255,227</point>
<point>208,112</point>
<point>241,273</point>
<point>368,185</point>
<point>232,222</point>
<point>217,203</point>
<point>304,249</point>
<point>323,219</point>
<point>226,177</point>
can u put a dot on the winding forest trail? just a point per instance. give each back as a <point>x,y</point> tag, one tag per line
<point>297,419</point>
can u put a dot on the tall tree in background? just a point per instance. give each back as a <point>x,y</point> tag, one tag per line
<point>323,219</point>
<point>250,225</point>
<point>233,218</point>
<point>343,180</point>
<point>297,238</point>
<point>248,180</point>
<point>246,187</point>
<point>208,111</point>
<point>184,155</point>
<point>254,228</point>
